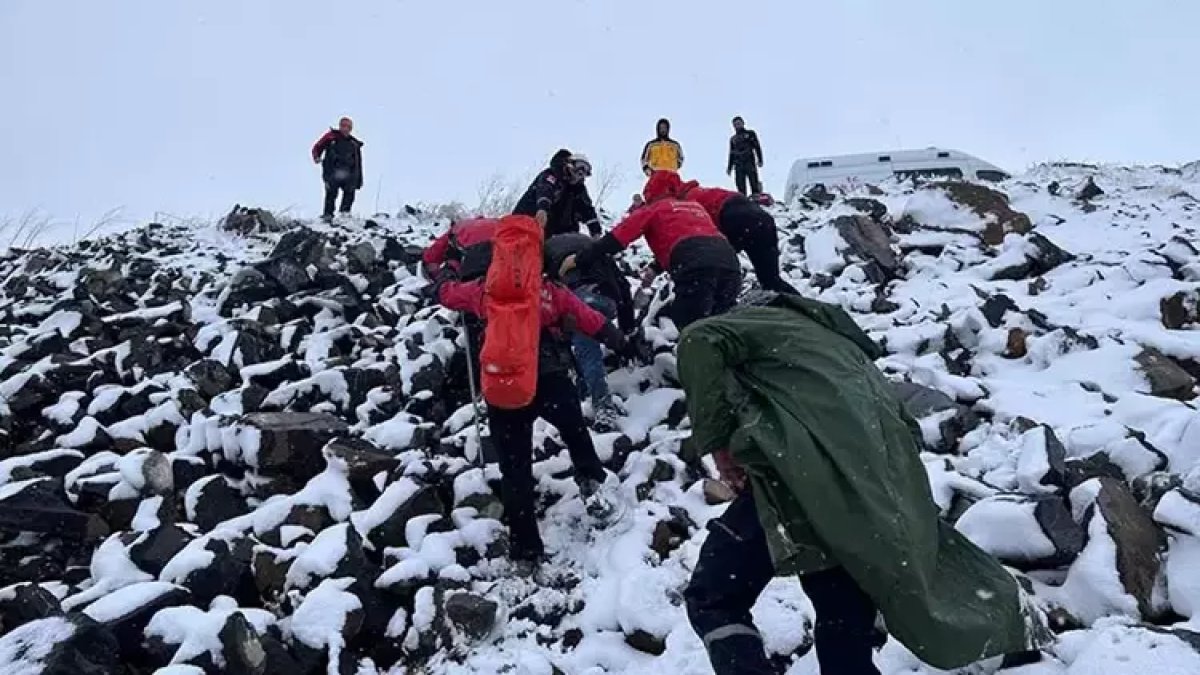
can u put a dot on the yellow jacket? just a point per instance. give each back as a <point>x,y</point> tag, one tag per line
<point>662,155</point>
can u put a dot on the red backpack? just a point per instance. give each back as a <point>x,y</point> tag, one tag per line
<point>512,307</point>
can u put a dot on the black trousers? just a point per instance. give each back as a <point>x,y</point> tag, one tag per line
<point>702,292</point>
<point>750,228</point>
<point>556,402</point>
<point>744,173</point>
<point>331,192</point>
<point>734,568</point>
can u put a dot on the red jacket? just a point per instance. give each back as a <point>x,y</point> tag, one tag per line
<point>459,236</point>
<point>712,199</point>
<point>558,304</point>
<point>665,223</point>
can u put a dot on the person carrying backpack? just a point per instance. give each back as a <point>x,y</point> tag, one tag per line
<point>558,197</point>
<point>466,248</point>
<point>603,288</point>
<point>784,393</point>
<point>340,155</point>
<point>663,153</point>
<point>560,313</point>
<point>684,241</point>
<point>748,227</point>
<point>745,157</point>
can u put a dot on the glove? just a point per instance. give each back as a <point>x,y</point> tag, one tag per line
<point>440,278</point>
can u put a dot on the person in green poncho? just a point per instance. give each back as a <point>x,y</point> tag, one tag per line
<point>830,485</point>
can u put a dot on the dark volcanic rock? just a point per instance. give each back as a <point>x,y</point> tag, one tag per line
<point>1165,377</point>
<point>869,241</point>
<point>291,442</point>
<point>213,500</point>
<point>471,615</point>
<point>82,646</point>
<point>40,506</point>
<point>155,548</point>
<point>25,603</point>
<point>210,377</point>
<point>1138,541</point>
<point>921,401</point>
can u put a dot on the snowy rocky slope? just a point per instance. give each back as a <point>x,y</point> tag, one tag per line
<point>247,448</point>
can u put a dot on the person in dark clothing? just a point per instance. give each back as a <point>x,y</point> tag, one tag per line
<point>745,157</point>
<point>603,288</point>
<point>784,394</point>
<point>558,197</point>
<point>340,155</point>
<point>733,569</point>
<point>685,241</point>
<point>555,401</point>
<point>748,227</point>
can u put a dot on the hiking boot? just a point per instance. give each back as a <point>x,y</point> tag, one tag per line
<point>601,499</point>
<point>327,218</point>
<point>607,414</point>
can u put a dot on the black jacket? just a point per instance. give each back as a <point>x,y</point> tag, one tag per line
<point>566,206</point>
<point>601,273</point>
<point>744,149</point>
<point>341,162</point>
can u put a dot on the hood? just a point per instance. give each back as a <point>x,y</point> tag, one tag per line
<point>661,123</point>
<point>558,163</point>
<point>687,187</point>
<point>662,184</point>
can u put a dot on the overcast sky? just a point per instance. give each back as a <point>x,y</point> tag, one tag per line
<point>188,107</point>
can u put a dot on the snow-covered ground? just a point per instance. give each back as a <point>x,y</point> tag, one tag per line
<point>173,389</point>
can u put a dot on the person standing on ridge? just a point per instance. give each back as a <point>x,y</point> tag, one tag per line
<point>340,155</point>
<point>784,393</point>
<point>745,157</point>
<point>748,227</point>
<point>684,241</point>
<point>663,153</point>
<point>558,197</point>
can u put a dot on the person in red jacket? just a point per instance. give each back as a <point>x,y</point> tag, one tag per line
<point>748,227</point>
<point>340,155</point>
<point>556,402</point>
<point>465,249</point>
<point>684,241</point>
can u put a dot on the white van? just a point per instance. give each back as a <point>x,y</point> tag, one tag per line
<point>876,167</point>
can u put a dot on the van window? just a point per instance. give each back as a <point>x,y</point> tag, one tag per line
<point>991,175</point>
<point>885,158</point>
<point>826,163</point>
<point>943,155</point>
<point>945,172</point>
<point>814,165</point>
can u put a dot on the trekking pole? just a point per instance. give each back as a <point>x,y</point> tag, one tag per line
<point>474,394</point>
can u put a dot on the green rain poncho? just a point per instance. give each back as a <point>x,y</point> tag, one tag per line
<point>793,392</point>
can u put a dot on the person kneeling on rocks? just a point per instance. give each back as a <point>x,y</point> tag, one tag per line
<point>784,393</point>
<point>600,285</point>
<point>555,401</point>
<point>747,226</point>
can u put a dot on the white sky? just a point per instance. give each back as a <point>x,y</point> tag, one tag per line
<point>188,107</point>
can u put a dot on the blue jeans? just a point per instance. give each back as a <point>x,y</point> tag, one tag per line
<point>589,355</point>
